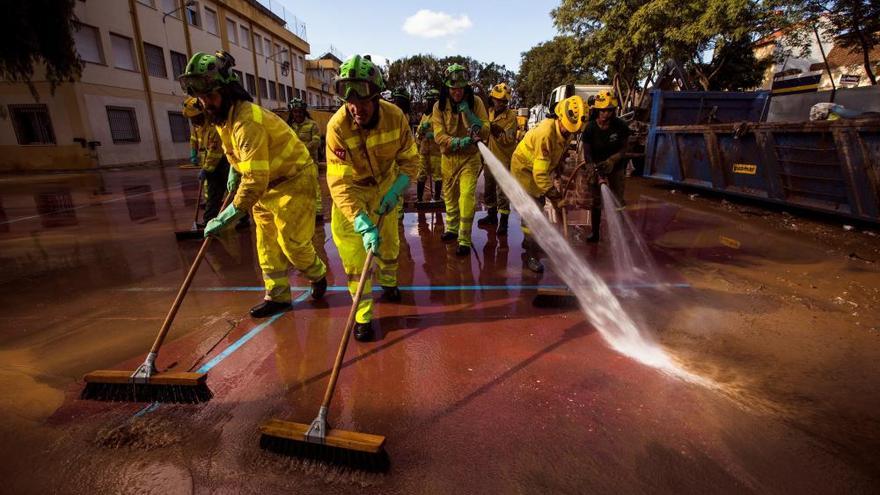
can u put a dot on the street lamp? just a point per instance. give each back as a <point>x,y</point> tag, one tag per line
<point>285,66</point>
<point>188,3</point>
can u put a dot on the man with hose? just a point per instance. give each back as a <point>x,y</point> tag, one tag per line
<point>605,145</point>
<point>274,175</point>
<point>538,155</point>
<point>371,155</point>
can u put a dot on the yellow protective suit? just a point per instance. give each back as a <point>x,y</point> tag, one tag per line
<point>460,167</point>
<point>278,179</point>
<point>501,143</point>
<point>310,134</point>
<point>429,151</point>
<point>362,164</point>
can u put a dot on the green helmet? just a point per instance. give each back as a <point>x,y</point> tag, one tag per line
<point>401,93</point>
<point>296,103</point>
<point>456,76</point>
<point>432,94</point>
<point>205,73</point>
<point>359,75</point>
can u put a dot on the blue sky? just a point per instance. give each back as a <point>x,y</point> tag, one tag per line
<point>477,29</point>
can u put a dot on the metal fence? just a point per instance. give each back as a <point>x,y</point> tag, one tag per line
<point>292,23</point>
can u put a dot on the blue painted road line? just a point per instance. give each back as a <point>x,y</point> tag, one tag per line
<point>412,288</point>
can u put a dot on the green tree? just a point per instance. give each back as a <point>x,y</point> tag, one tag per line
<point>38,35</point>
<point>546,66</point>
<point>633,39</point>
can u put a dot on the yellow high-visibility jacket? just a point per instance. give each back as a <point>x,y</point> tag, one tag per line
<point>362,163</point>
<point>262,148</point>
<point>426,146</point>
<point>205,140</point>
<point>503,144</point>
<point>309,133</point>
<point>537,156</point>
<point>449,124</point>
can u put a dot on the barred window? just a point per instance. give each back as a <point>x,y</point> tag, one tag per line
<point>32,124</point>
<point>179,127</point>
<point>263,87</point>
<point>272,94</point>
<point>123,125</point>
<point>155,57</point>
<point>178,63</point>
<point>251,84</point>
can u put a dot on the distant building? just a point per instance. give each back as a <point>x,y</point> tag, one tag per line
<point>320,74</point>
<point>126,108</point>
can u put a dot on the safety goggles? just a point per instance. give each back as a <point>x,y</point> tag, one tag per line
<point>347,89</point>
<point>196,85</point>
<point>457,79</point>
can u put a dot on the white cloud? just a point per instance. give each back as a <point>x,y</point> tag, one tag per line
<point>429,24</point>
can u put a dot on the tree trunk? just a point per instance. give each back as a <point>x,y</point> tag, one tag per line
<point>866,53</point>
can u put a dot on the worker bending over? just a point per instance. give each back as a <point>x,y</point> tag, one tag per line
<point>274,175</point>
<point>371,155</point>
<point>206,151</point>
<point>538,155</point>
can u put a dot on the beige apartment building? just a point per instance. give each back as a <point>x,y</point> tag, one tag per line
<point>320,74</point>
<point>126,108</point>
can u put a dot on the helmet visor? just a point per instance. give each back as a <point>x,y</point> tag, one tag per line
<point>457,79</point>
<point>197,85</point>
<point>347,89</point>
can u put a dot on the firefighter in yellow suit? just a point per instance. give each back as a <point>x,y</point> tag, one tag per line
<point>274,175</point>
<point>502,142</point>
<point>459,120</point>
<point>206,151</point>
<point>309,133</point>
<point>429,151</point>
<point>371,155</point>
<point>537,157</point>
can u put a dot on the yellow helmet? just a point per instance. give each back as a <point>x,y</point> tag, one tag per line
<point>192,107</point>
<point>605,100</point>
<point>572,113</point>
<point>500,91</point>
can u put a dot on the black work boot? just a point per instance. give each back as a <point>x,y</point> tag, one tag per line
<point>491,218</point>
<point>319,287</point>
<point>502,224</point>
<point>449,236</point>
<point>438,190</point>
<point>269,308</point>
<point>463,250</point>
<point>390,293</point>
<point>420,191</point>
<point>363,332</point>
<point>596,217</point>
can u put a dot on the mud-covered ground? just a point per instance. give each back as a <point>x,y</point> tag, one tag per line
<point>476,390</point>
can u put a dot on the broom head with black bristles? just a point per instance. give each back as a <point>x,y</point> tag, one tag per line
<point>119,386</point>
<point>362,451</point>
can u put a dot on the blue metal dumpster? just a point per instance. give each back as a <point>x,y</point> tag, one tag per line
<point>828,166</point>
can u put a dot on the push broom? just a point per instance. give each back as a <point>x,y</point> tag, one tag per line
<point>146,384</point>
<point>317,441</point>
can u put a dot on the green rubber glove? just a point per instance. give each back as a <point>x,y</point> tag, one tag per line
<point>193,156</point>
<point>429,135</point>
<point>226,217</point>
<point>368,231</point>
<point>472,118</point>
<point>425,126</point>
<point>232,180</point>
<point>390,199</point>
<point>461,143</point>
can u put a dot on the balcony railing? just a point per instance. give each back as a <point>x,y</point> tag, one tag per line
<point>291,22</point>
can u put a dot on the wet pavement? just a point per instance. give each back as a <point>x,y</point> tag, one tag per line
<point>476,390</point>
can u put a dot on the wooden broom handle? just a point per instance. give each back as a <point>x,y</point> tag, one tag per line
<point>349,324</point>
<point>169,318</point>
<point>198,202</point>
